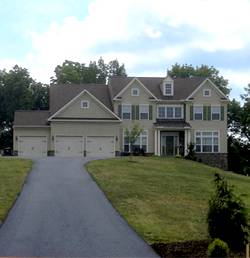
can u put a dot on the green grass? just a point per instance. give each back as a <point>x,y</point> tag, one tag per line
<point>163,199</point>
<point>12,175</point>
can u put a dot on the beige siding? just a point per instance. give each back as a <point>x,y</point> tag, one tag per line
<point>85,129</point>
<point>32,131</point>
<point>220,126</point>
<point>95,109</point>
<point>143,98</point>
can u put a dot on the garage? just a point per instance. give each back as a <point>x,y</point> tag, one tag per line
<point>69,146</point>
<point>32,146</point>
<point>100,146</point>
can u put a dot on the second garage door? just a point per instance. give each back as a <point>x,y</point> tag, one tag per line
<point>100,146</point>
<point>69,146</point>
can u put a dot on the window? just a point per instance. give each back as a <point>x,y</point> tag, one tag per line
<point>170,112</point>
<point>168,89</point>
<point>84,104</point>
<point>126,111</point>
<point>135,92</point>
<point>198,112</point>
<point>144,112</point>
<point>206,93</point>
<point>215,113</point>
<point>207,141</point>
<point>141,143</point>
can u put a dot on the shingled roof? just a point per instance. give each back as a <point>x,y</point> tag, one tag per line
<point>31,117</point>
<point>183,87</point>
<point>62,94</point>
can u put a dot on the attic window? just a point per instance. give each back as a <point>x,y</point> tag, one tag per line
<point>135,92</point>
<point>85,104</point>
<point>168,89</point>
<point>206,93</point>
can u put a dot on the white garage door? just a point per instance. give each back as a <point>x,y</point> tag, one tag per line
<point>69,146</point>
<point>32,146</point>
<point>100,146</point>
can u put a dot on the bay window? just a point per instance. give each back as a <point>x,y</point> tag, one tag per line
<point>207,141</point>
<point>141,143</point>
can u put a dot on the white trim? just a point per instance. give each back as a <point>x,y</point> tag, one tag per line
<point>209,131</point>
<point>84,101</point>
<point>85,120</point>
<point>209,93</point>
<point>76,97</point>
<point>216,88</point>
<point>174,106</point>
<point>138,92</point>
<point>129,84</point>
<point>143,113</point>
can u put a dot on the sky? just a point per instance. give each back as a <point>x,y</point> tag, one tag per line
<point>148,36</point>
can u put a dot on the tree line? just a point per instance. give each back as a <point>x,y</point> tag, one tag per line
<point>19,91</point>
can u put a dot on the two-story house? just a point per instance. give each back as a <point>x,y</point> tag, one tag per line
<point>90,119</point>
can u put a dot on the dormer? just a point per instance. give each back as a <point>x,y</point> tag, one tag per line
<point>167,86</point>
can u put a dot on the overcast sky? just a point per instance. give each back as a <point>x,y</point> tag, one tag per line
<point>148,36</point>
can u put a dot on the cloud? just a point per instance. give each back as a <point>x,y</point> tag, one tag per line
<point>146,35</point>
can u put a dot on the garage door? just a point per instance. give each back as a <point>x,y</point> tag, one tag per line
<point>32,146</point>
<point>100,146</point>
<point>69,146</point>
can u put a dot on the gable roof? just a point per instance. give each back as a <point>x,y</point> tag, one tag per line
<point>61,94</point>
<point>31,118</point>
<point>183,87</point>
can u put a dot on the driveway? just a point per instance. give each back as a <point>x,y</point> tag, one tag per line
<point>62,212</point>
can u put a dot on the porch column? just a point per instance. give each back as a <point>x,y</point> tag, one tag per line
<point>185,142</point>
<point>159,143</point>
<point>156,142</point>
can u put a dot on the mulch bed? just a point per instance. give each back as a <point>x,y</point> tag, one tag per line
<point>189,249</point>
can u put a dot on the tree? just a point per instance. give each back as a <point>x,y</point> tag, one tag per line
<point>132,135</point>
<point>95,72</point>
<point>245,116</point>
<point>227,217</point>
<point>188,71</point>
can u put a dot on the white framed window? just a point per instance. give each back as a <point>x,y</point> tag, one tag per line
<point>140,144</point>
<point>144,111</point>
<point>126,111</point>
<point>84,104</point>
<point>206,93</point>
<point>168,89</point>
<point>170,112</point>
<point>215,112</point>
<point>198,112</point>
<point>135,92</point>
<point>207,141</point>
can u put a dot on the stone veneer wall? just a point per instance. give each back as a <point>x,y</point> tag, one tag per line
<point>219,160</point>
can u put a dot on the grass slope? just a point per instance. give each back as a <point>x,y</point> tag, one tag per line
<point>164,199</point>
<point>12,175</point>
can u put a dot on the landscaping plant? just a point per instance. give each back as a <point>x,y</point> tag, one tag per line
<point>227,218</point>
<point>218,248</point>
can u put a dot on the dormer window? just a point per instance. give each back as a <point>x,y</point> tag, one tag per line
<point>84,104</point>
<point>168,89</point>
<point>135,92</point>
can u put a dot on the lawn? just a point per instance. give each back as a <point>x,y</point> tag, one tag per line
<point>12,175</point>
<point>163,199</point>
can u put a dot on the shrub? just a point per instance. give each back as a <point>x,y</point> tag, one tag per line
<point>218,248</point>
<point>191,153</point>
<point>227,218</point>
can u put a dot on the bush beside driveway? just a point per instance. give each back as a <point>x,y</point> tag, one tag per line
<point>12,176</point>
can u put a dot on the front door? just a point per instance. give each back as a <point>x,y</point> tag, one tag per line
<point>169,143</point>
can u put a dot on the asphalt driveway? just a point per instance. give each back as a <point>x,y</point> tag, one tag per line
<point>61,212</point>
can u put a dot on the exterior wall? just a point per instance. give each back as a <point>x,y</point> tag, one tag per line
<point>85,129</point>
<point>219,160</point>
<point>31,131</point>
<point>95,110</point>
<point>216,125</point>
<point>143,98</point>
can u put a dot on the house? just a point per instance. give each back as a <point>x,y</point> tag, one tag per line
<point>90,119</point>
